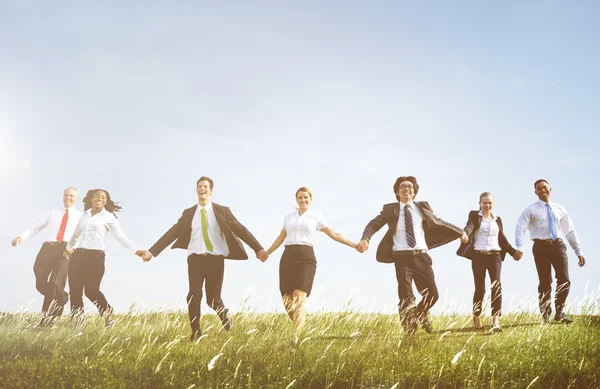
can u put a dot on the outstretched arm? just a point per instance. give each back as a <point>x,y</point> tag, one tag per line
<point>278,241</point>
<point>338,237</point>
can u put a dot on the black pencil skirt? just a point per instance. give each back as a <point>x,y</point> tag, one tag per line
<point>297,269</point>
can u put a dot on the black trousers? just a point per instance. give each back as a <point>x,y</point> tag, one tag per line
<point>492,265</point>
<point>548,256</point>
<point>86,270</point>
<point>50,269</point>
<point>417,268</point>
<point>207,271</point>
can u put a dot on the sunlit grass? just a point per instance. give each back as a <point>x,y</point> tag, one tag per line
<point>337,350</point>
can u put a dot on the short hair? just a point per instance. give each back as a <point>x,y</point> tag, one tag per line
<point>71,188</point>
<point>204,178</point>
<point>412,179</point>
<point>484,194</point>
<point>304,189</point>
<point>540,180</point>
<point>110,206</point>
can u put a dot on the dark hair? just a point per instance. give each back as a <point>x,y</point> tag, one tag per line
<point>110,206</point>
<point>304,189</point>
<point>540,180</point>
<point>204,178</point>
<point>412,179</point>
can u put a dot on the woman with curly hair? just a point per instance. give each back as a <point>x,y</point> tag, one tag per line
<point>86,267</point>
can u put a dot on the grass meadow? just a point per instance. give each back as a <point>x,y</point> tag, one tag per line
<point>337,350</point>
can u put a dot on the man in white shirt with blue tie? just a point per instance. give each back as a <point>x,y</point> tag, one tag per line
<point>549,225</point>
<point>50,268</point>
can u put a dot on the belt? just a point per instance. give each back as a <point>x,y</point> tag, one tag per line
<point>207,255</point>
<point>81,250</point>
<point>403,253</point>
<point>491,252</point>
<point>56,243</point>
<point>548,241</point>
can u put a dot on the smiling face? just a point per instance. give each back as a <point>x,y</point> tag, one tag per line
<point>542,190</point>
<point>203,191</point>
<point>303,199</point>
<point>406,191</point>
<point>486,204</point>
<point>99,200</point>
<point>69,197</point>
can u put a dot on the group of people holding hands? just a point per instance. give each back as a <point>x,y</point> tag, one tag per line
<point>74,251</point>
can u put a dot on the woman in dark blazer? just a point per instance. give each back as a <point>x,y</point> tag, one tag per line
<point>486,248</point>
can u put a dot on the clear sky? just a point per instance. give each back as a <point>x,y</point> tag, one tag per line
<point>268,96</point>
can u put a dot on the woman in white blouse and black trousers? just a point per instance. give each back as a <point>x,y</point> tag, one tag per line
<point>298,263</point>
<point>86,266</point>
<point>486,248</point>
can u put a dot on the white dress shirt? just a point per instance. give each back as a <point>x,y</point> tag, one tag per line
<point>486,237</point>
<point>535,219</point>
<point>400,235</point>
<point>217,238</point>
<point>91,231</point>
<point>300,229</point>
<point>51,222</point>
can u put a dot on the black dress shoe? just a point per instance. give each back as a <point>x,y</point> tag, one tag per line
<point>426,325</point>
<point>562,318</point>
<point>225,319</point>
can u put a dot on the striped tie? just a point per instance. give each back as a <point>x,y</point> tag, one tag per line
<point>408,223</point>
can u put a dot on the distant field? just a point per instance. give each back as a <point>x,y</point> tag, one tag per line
<point>338,350</point>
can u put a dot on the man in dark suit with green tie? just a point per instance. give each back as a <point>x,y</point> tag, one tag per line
<point>210,233</point>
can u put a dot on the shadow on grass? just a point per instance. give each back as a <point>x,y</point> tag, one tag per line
<point>483,330</point>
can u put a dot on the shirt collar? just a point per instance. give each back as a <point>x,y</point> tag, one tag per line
<point>543,203</point>
<point>208,206</point>
<point>494,217</point>
<point>411,203</point>
<point>102,212</point>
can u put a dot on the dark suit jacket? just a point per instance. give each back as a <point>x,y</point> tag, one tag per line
<point>467,249</point>
<point>232,229</point>
<point>437,231</point>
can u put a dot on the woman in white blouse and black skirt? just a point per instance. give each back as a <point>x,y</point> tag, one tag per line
<point>486,248</point>
<point>298,263</point>
<point>86,264</point>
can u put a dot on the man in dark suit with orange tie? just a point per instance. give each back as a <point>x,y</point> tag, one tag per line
<point>413,229</point>
<point>210,233</point>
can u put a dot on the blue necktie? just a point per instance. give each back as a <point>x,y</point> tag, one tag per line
<point>408,224</point>
<point>551,221</point>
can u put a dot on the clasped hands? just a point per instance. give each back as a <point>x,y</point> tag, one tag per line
<point>147,255</point>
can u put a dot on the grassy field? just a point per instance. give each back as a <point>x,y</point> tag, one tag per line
<point>338,350</point>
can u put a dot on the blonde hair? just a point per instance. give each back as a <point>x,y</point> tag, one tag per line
<point>304,189</point>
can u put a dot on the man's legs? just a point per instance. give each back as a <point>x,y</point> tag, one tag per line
<point>404,275</point>
<point>544,270</point>
<point>194,297</point>
<point>214,272</point>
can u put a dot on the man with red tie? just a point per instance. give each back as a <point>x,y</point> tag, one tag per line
<point>50,268</point>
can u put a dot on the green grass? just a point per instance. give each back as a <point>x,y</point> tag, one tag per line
<point>337,350</point>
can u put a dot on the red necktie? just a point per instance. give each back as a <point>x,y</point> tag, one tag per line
<point>63,226</point>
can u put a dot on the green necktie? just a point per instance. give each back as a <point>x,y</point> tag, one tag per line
<point>209,245</point>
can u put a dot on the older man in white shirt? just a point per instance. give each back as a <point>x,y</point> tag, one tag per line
<point>549,225</point>
<point>50,268</point>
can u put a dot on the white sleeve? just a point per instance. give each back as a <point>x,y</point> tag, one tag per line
<point>114,227</point>
<point>284,220</point>
<point>522,225</point>
<point>73,241</point>
<point>568,228</point>
<point>321,222</point>
<point>39,225</point>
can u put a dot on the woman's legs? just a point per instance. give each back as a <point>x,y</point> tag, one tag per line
<point>295,307</point>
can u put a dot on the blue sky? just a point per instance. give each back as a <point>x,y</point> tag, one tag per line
<point>342,97</point>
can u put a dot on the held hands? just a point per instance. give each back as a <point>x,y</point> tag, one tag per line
<point>16,241</point>
<point>518,255</point>
<point>262,255</point>
<point>464,238</point>
<point>581,261</point>
<point>144,254</point>
<point>362,246</point>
